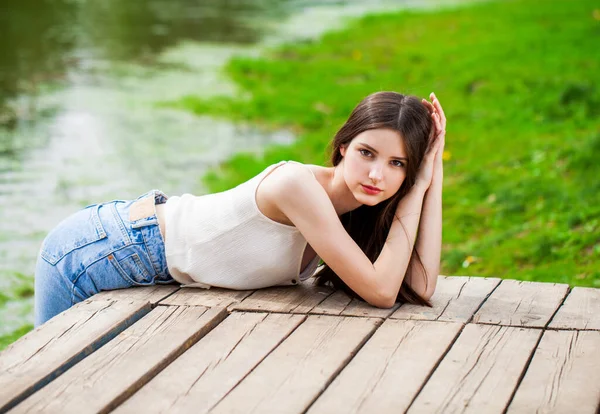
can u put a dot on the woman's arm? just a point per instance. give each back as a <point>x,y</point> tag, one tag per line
<point>423,279</point>
<point>304,201</point>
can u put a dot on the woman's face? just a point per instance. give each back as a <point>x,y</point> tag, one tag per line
<point>374,165</point>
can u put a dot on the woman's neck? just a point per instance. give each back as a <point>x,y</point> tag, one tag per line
<point>340,195</point>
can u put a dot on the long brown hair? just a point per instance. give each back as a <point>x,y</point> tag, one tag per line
<point>369,225</point>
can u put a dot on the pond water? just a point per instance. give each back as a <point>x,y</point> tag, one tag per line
<point>79,120</point>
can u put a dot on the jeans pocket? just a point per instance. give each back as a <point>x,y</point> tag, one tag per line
<point>132,269</point>
<point>76,231</point>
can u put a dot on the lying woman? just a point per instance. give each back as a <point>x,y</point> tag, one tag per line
<point>373,217</point>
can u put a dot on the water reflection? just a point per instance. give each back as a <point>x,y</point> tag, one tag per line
<point>34,43</point>
<point>40,40</point>
<point>141,28</point>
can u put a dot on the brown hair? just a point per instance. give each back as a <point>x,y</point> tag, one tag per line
<point>369,225</point>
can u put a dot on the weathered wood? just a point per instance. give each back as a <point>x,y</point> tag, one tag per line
<point>289,379</point>
<point>87,360</point>
<point>517,303</point>
<point>287,299</point>
<point>390,368</point>
<point>455,300</point>
<point>150,294</point>
<point>340,303</point>
<point>480,371</point>
<point>333,305</point>
<point>204,374</point>
<point>206,297</point>
<point>46,352</point>
<point>581,310</point>
<point>106,378</point>
<point>564,375</point>
<point>361,308</point>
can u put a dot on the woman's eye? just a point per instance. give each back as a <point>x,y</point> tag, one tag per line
<point>398,163</point>
<point>365,152</point>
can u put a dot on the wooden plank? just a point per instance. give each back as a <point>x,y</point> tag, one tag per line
<point>339,303</point>
<point>106,378</point>
<point>206,297</point>
<point>564,375</point>
<point>455,300</point>
<point>361,308</point>
<point>294,374</point>
<point>517,303</point>
<point>581,310</point>
<point>480,371</point>
<point>204,374</point>
<point>51,349</point>
<point>390,369</point>
<point>150,294</point>
<point>333,305</point>
<point>286,299</point>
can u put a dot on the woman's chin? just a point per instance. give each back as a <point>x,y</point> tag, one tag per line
<point>368,200</point>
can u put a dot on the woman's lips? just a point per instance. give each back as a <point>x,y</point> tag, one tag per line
<point>370,190</point>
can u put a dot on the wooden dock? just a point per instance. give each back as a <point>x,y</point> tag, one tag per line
<point>487,346</point>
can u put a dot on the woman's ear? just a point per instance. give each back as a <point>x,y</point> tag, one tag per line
<point>343,150</point>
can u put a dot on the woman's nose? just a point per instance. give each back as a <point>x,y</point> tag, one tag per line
<point>376,173</point>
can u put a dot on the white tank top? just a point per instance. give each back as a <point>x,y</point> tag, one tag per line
<point>224,240</point>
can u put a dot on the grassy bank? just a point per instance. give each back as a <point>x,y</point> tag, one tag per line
<point>519,81</point>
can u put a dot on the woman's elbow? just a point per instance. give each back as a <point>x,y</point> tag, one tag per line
<point>430,283</point>
<point>383,304</point>
<point>428,294</point>
<point>429,290</point>
<point>383,300</point>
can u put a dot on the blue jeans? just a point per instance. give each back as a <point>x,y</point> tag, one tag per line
<point>106,246</point>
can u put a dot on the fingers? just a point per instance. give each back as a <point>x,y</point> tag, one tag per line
<point>438,132</point>
<point>435,145</point>
<point>439,128</point>
<point>438,109</point>
<point>438,117</point>
<point>428,105</point>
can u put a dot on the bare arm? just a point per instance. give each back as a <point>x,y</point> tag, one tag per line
<point>395,256</point>
<point>304,201</point>
<point>423,279</point>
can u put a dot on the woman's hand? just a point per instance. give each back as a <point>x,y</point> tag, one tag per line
<point>431,167</point>
<point>440,127</point>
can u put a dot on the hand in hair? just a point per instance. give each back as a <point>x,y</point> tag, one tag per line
<point>437,133</point>
<point>432,161</point>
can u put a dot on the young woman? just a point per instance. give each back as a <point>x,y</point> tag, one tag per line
<point>373,217</point>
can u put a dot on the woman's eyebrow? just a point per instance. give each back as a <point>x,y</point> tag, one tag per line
<point>370,148</point>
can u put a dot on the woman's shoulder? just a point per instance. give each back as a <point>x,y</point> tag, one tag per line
<point>290,182</point>
<point>313,169</point>
<point>285,173</point>
<point>291,176</point>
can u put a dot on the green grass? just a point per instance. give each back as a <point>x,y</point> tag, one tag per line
<point>519,81</point>
<point>6,340</point>
<point>16,288</point>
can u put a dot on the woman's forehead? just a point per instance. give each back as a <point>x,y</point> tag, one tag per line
<point>384,140</point>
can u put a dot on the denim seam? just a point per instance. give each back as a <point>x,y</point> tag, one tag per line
<point>101,235</point>
<point>138,262</point>
<point>54,263</point>
<point>104,256</point>
<point>72,287</point>
<point>97,222</point>
<point>73,294</point>
<point>120,224</point>
<point>151,256</point>
<point>123,274</point>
